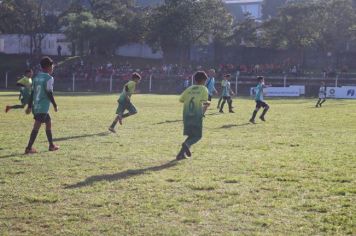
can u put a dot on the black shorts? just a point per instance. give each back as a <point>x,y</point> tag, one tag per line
<point>42,117</point>
<point>260,104</point>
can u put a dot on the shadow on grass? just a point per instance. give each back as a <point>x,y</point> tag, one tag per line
<point>168,122</point>
<point>12,155</point>
<point>121,175</point>
<point>80,136</point>
<point>233,125</point>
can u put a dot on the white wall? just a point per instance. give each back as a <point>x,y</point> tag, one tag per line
<point>20,44</point>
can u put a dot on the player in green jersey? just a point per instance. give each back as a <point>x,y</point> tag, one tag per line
<point>39,103</point>
<point>124,101</point>
<point>259,100</point>
<point>25,84</point>
<point>195,99</point>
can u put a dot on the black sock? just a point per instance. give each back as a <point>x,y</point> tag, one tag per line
<point>49,137</point>
<point>264,112</point>
<point>222,105</point>
<point>220,99</point>
<point>322,102</point>
<point>230,105</point>
<point>32,138</point>
<point>17,106</point>
<point>113,124</point>
<point>254,115</point>
<point>317,104</point>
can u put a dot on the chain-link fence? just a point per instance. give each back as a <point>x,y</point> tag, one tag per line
<point>175,84</point>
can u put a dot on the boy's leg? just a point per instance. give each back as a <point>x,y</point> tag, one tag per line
<point>34,133</point>
<point>265,109</point>
<point>220,99</point>
<point>258,106</point>
<point>8,108</point>
<point>52,147</point>
<point>322,102</point>
<point>229,102</point>
<point>223,104</point>
<point>132,110</point>
<point>119,111</point>
<point>317,104</point>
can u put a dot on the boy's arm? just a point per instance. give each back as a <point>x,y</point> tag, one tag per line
<point>49,91</point>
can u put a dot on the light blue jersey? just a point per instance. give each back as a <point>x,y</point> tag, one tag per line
<point>226,87</point>
<point>210,84</point>
<point>259,92</point>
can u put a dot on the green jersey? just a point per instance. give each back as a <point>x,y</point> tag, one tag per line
<point>128,90</point>
<point>193,98</point>
<point>42,84</point>
<point>25,91</point>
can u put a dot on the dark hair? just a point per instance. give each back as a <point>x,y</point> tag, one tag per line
<point>227,75</point>
<point>46,62</point>
<point>260,78</point>
<point>28,71</point>
<point>136,75</point>
<point>200,76</point>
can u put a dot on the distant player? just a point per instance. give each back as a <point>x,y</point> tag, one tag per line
<point>195,99</point>
<point>322,95</point>
<point>259,100</point>
<point>39,103</point>
<point>25,84</point>
<point>226,93</point>
<point>124,102</point>
<point>210,84</point>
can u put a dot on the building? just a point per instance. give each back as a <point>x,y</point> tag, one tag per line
<point>20,44</point>
<point>240,7</point>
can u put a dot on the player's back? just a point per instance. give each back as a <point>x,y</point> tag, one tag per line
<point>40,86</point>
<point>192,98</point>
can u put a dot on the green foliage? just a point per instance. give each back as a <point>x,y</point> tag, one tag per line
<point>177,25</point>
<point>270,8</point>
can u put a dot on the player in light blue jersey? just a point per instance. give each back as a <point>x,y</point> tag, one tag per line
<point>259,100</point>
<point>226,93</point>
<point>322,94</point>
<point>210,84</point>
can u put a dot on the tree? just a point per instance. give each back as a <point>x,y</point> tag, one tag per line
<point>270,8</point>
<point>178,24</point>
<point>28,17</point>
<point>103,25</point>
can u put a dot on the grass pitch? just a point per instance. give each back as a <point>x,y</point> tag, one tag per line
<point>293,175</point>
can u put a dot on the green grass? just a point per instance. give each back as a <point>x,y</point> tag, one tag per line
<point>293,175</point>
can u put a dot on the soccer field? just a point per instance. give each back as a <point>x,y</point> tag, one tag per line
<point>293,175</point>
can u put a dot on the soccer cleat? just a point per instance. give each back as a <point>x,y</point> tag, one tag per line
<point>53,148</point>
<point>112,130</point>
<point>262,118</point>
<point>252,121</point>
<point>30,151</point>
<point>221,111</point>
<point>7,109</point>
<point>186,150</point>
<point>231,111</point>
<point>180,155</point>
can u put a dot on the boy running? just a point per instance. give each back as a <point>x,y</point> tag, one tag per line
<point>226,93</point>
<point>259,100</point>
<point>322,94</point>
<point>210,84</point>
<point>195,99</point>
<point>39,103</point>
<point>125,101</point>
<point>25,84</point>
